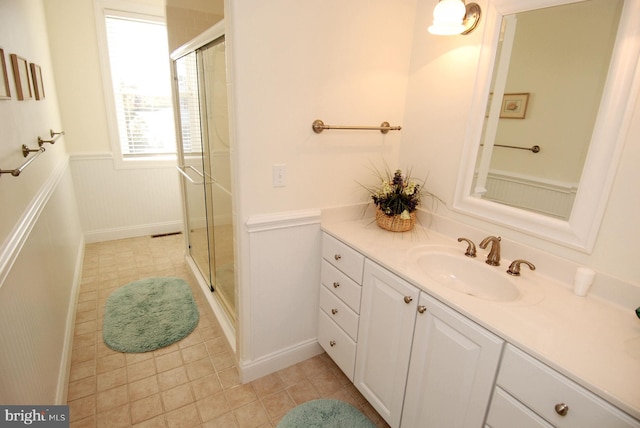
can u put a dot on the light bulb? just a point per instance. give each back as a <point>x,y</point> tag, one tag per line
<point>447,18</point>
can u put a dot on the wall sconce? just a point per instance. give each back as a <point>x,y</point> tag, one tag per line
<point>452,17</point>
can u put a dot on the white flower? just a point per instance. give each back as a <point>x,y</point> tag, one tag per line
<point>410,189</point>
<point>384,190</point>
<point>405,215</point>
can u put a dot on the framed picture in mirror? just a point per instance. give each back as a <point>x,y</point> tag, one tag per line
<point>514,106</point>
<point>5,91</point>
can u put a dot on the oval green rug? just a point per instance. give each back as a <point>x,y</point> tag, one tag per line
<point>149,314</point>
<point>325,413</point>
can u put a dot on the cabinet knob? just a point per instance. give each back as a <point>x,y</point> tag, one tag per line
<point>334,311</point>
<point>408,299</point>
<point>332,343</point>
<point>336,284</point>
<point>337,257</point>
<point>562,409</point>
<point>422,309</point>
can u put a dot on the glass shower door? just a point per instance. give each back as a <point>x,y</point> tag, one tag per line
<point>192,162</point>
<point>206,167</point>
<point>217,161</point>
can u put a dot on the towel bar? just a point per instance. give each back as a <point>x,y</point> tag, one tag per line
<point>319,126</point>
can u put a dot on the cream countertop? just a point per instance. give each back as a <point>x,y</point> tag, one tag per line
<point>589,340</point>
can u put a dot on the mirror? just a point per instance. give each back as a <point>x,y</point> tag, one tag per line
<point>548,80</point>
<point>574,110</point>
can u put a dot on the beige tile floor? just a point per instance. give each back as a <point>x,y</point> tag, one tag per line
<point>192,383</point>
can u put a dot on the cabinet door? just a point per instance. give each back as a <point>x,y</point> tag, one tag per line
<point>452,369</point>
<point>387,317</point>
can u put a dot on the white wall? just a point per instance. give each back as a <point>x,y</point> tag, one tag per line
<point>437,116</point>
<point>23,32</point>
<point>342,62</point>
<point>40,235</point>
<point>292,62</point>
<point>121,203</point>
<point>114,203</point>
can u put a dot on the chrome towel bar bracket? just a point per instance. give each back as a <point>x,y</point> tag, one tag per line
<point>54,137</point>
<point>318,126</point>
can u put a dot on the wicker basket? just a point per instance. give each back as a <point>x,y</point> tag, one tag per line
<point>395,223</point>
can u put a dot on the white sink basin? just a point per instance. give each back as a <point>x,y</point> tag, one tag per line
<point>452,269</point>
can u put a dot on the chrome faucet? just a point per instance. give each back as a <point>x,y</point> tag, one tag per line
<point>493,258</point>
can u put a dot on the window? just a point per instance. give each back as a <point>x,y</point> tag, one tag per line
<point>189,104</point>
<point>141,110</point>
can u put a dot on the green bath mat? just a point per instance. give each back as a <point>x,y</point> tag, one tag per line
<point>149,314</point>
<point>325,413</point>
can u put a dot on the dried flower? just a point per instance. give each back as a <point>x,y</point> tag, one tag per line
<point>398,195</point>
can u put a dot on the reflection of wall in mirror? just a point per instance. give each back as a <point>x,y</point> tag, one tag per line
<point>561,56</point>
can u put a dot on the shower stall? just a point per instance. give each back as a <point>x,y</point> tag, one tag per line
<point>204,163</point>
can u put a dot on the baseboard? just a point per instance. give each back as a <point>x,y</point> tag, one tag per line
<point>132,231</point>
<point>65,361</point>
<point>279,360</point>
<point>226,324</point>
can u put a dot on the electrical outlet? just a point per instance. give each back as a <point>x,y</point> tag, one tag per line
<point>279,175</point>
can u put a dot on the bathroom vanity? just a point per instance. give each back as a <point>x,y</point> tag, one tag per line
<point>425,354</point>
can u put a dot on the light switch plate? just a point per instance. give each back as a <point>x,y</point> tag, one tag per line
<point>279,175</point>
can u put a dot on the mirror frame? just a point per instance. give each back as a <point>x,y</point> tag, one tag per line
<point>607,141</point>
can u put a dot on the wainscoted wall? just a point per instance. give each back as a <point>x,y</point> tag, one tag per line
<point>279,312</point>
<point>40,266</point>
<point>123,203</point>
<point>552,199</point>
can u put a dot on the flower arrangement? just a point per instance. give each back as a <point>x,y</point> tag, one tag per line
<point>397,199</point>
<point>397,195</point>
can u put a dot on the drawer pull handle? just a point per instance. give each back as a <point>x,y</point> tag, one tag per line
<point>334,311</point>
<point>336,284</point>
<point>562,409</point>
<point>408,299</point>
<point>422,309</point>
<point>337,257</point>
<point>332,343</point>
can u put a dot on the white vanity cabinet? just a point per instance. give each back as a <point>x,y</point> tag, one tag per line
<point>418,362</point>
<point>341,278</point>
<point>452,369</point>
<point>531,394</point>
<point>421,363</point>
<point>387,318</point>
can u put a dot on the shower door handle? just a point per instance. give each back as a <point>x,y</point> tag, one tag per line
<point>181,170</point>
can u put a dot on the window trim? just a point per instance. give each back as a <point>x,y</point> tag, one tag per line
<point>126,9</point>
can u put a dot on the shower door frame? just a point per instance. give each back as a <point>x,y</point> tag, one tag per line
<point>227,323</point>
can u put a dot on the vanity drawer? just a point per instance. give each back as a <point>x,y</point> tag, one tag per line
<point>343,257</point>
<point>337,343</point>
<point>339,312</point>
<point>541,388</point>
<point>507,412</point>
<point>341,285</point>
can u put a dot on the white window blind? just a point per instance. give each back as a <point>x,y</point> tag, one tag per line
<point>141,79</point>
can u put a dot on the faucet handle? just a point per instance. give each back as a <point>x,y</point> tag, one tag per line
<point>471,248</point>
<point>514,267</point>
